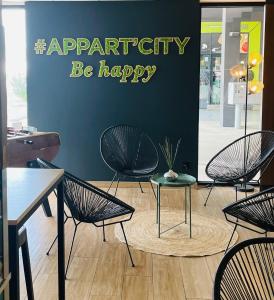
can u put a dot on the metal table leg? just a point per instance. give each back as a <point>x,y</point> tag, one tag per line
<point>45,204</point>
<point>14,262</point>
<point>185,204</point>
<point>23,243</point>
<point>61,242</point>
<point>158,209</point>
<point>190,232</point>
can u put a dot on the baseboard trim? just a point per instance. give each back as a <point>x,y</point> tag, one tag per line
<point>122,184</point>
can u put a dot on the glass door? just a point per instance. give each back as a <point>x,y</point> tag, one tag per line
<point>229,37</point>
<point>4,263</point>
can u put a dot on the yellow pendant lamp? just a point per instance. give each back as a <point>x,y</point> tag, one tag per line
<point>255,86</point>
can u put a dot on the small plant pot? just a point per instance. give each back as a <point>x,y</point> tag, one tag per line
<point>171,175</point>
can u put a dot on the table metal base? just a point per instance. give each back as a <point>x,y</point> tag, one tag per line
<point>158,211</point>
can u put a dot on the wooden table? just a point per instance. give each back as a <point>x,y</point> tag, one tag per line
<point>26,189</point>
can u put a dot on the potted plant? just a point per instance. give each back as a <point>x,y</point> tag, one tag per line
<point>170,157</point>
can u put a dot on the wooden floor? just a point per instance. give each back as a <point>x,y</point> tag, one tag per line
<point>102,271</point>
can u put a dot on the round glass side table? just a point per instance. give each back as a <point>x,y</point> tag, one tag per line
<point>183,180</point>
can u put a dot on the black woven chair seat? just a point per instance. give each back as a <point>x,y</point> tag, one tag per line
<point>138,173</point>
<point>89,204</point>
<point>129,151</point>
<point>257,210</point>
<point>246,272</point>
<point>107,211</point>
<point>225,174</point>
<point>241,160</point>
<point>243,157</point>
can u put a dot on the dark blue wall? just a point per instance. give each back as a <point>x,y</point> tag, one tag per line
<point>80,109</point>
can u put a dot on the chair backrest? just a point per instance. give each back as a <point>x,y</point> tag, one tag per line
<point>85,201</point>
<point>243,158</point>
<point>247,272</point>
<point>125,147</point>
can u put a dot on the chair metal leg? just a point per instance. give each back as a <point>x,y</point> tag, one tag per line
<point>46,208</point>
<point>27,269</point>
<point>74,234</point>
<point>231,238</point>
<point>153,190</point>
<point>236,190</point>
<point>118,180</point>
<point>140,187</point>
<point>127,244</point>
<point>55,238</point>
<point>112,181</point>
<point>52,244</point>
<point>104,235</point>
<point>212,185</point>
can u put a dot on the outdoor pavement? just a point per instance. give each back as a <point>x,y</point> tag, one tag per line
<point>213,137</point>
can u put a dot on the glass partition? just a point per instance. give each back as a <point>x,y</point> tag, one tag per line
<point>229,37</point>
<point>4,269</point>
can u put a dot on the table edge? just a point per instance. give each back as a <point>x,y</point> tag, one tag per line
<point>52,184</point>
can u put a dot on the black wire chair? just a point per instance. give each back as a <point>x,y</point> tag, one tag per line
<point>246,272</point>
<point>128,152</point>
<point>241,160</point>
<point>256,210</point>
<point>89,204</point>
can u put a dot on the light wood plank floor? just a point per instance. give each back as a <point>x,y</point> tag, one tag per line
<point>102,271</point>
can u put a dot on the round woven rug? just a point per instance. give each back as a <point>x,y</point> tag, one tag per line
<point>209,235</point>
